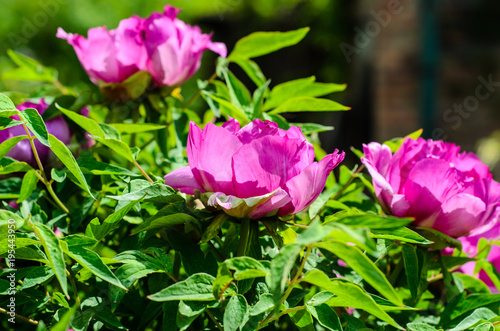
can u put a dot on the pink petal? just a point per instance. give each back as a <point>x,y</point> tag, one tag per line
<point>460,214</point>
<point>210,155</point>
<point>183,180</point>
<point>306,186</point>
<point>232,126</point>
<point>278,200</point>
<point>266,164</point>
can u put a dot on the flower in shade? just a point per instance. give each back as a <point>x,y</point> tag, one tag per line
<point>435,184</point>
<point>256,171</point>
<point>22,150</point>
<point>110,56</point>
<point>175,48</point>
<point>470,244</point>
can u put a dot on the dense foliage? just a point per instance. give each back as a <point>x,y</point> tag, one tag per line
<point>255,230</point>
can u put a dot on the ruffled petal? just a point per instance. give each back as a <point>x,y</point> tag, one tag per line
<point>183,180</point>
<point>266,164</point>
<point>306,186</point>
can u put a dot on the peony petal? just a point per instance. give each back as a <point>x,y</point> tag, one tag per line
<point>256,129</point>
<point>210,155</point>
<point>399,205</point>
<point>278,200</point>
<point>183,180</point>
<point>305,187</point>
<point>460,214</point>
<point>232,125</point>
<point>241,208</point>
<point>266,164</point>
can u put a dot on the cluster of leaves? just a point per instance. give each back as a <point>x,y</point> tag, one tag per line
<point>132,253</point>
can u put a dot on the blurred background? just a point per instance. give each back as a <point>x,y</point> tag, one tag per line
<point>431,64</point>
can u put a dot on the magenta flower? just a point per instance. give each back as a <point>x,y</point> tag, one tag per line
<point>256,171</point>
<point>22,150</point>
<point>110,56</point>
<point>433,182</point>
<point>175,48</point>
<point>469,245</point>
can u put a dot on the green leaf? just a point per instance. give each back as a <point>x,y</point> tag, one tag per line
<point>6,104</point>
<point>303,87</point>
<point>58,175</point>
<point>64,154</point>
<point>54,253</point>
<point>411,268</point>
<point>395,143</point>
<point>234,315</point>
<point>265,303</point>
<point>35,124</point>
<point>7,145</point>
<point>153,192</point>
<point>36,276</point>
<point>101,168</point>
<point>281,265</point>
<point>8,166</point>
<point>65,321</point>
<point>118,147</point>
<point>30,180</point>
<point>362,265</point>
<point>303,320</point>
<point>298,104</point>
<point>99,231</point>
<point>251,69</point>
<point>197,287</point>
<point>262,43</point>
<point>347,295</point>
<point>93,262</point>
<point>127,128</point>
<point>258,96</point>
<point>403,234</point>
<point>192,257</point>
<point>6,122</point>
<point>462,304</point>
<point>110,132</point>
<point>238,93</point>
<point>419,327</point>
<point>29,69</point>
<point>439,239</point>
<point>225,107</point>
<point>5,244</point>
<point>214,227</point>
<point>371,221</point>
<point>470,283</point>
<point>187,312</point>
<point>86,123</point>
<point>326,316</point>
<point>477,316</point>
<point>486,326</point>
<point>309,128</point>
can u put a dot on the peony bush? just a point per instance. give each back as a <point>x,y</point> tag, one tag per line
<point>137,209</point>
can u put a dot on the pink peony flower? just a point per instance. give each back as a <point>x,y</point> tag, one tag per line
<point>433,182</point>
<point>175,48</point>
<point>256,171</point>
<point>110,56</point>
<point>22,150</point>
<point>166,47</point>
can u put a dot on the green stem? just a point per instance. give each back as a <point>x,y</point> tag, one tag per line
<point>244,235</point>
<point>22,318</point>
<point>143,172</point>
<point>73,286</point>
<point>44,177</point>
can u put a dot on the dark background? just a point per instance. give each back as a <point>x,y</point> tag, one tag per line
<point>408,64</point>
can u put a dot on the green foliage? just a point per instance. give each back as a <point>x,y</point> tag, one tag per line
<point>99,242</point>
